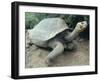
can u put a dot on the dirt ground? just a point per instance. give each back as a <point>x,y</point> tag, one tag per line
<point>35,57</point>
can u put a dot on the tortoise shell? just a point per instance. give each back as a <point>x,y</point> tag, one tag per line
<point>47,29</point>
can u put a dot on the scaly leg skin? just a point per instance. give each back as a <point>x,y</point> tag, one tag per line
<point>72,45</point>
<point>58,48</point>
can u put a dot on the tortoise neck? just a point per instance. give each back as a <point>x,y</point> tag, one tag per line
<point>72,35</point>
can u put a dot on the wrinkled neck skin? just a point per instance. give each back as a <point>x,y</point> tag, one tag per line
<point>72,35</point>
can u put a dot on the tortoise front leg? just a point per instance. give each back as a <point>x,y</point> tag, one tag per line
<point>58,48</point>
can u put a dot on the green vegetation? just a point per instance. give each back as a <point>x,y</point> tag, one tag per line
<point>31,19</point>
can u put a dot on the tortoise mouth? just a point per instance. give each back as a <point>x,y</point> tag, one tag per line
<point>82,29</point>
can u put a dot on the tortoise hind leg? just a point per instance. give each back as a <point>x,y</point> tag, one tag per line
<point>72,46</point>
<point>58,48</point>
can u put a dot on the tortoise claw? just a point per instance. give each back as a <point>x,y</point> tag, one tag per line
<point>48,62</point>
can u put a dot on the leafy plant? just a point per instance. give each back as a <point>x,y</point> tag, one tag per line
<point>31,19</point>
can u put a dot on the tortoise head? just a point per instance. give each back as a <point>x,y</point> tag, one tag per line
<point>81,26</point>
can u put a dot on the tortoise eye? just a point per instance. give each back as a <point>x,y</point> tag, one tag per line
<point>82,23</point>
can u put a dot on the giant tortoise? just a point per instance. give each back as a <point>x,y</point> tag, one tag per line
<point>54,33</point>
